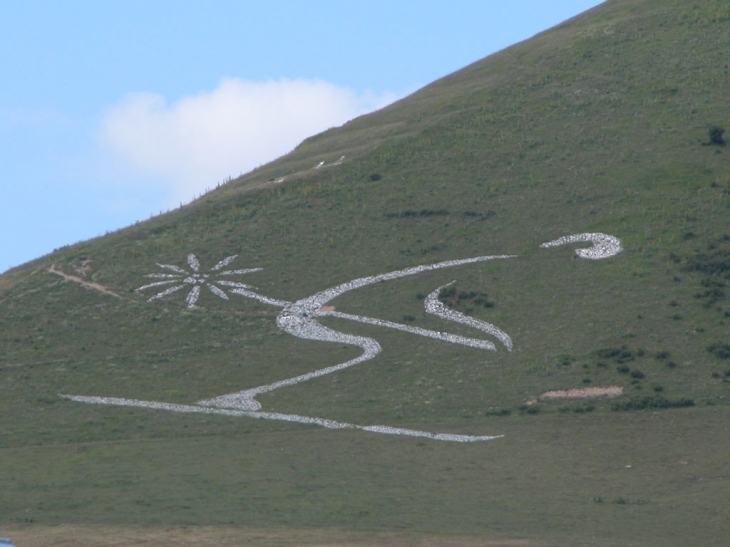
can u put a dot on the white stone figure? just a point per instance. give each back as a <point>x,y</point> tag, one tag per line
<point>300,319</point>
<point>604,246</point>
<point>182,278</point>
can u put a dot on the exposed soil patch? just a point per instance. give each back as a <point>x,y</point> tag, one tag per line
<point>87,284</point>
<point>84,267</point>
<point>583,393</point>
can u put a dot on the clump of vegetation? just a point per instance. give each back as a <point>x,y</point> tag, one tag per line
<point>716,135</point>
<point>480,216</point>
<point>623,501</point>
<point>529,409</point>
<point>454,298</point>
<point>498,412</point>
<point>652,402</point>
<point>714,265</point>
<point>619,355</point>
<point>416,214</point>
<point>719,350</point>
<point>375,177</point>
<point>715,261</point>
<point>577,409</point>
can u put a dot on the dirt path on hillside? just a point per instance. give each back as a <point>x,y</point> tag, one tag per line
<point>88,284</point>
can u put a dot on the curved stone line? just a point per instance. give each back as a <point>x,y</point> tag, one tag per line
<point>433,305</point>
<point>312,303</point>
<point>437,335</point>
<point>330,424</point>
<point>604,245</point>
<point>245,399</point>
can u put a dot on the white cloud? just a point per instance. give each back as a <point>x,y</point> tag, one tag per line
<point>203,139</point>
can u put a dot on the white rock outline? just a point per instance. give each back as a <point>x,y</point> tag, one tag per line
<point>195,279</point>
<point>320,165</point>
<point>298,319</point>
<point>604,246</point>
<point>330,424</point>
<point>436,307</point>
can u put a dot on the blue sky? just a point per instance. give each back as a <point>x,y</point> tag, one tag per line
<point>112,111</point>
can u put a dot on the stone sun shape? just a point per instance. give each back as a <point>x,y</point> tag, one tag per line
<point>181,279</point>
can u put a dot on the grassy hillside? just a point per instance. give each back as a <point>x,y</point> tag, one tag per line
<point>601,124</point>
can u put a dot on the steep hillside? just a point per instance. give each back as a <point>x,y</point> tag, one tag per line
<point>602,125</point>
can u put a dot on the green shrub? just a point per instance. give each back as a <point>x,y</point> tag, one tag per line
<point>650,402</point>
<point>719,350</point>
<point>620,355</point>
<point>418,214</point>
<point>498,412</point>
<point>715,133</point>
<point>577,409</point>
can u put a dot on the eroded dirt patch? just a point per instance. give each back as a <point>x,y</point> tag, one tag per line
<point>583,393</point>
<point>88,284</point>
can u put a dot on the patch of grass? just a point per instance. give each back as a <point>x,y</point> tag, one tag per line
<point>720,350</point>
<point>652,402</point>
<point>581,408</point>
<point>498,412</point>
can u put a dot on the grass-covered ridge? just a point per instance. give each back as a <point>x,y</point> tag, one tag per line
<point>602,124</point>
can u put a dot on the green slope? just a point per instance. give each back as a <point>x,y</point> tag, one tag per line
<point>598,125</point>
